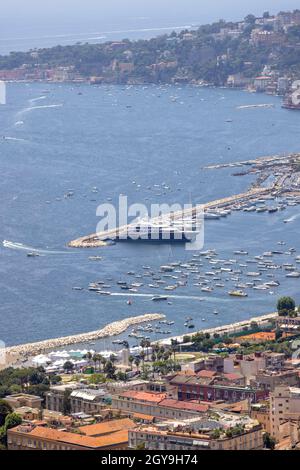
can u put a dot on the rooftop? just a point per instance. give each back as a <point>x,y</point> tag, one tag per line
<point>184,405</point>
<point>144,396</point>
<point>49,434</point>
<point>107,427</point>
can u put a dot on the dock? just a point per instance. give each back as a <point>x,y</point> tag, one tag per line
<point>97,239</point>
<point>286,182</point>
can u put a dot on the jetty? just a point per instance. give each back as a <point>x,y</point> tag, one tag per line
<point>268,160</point>
<point>97,239</point>
<point>13,354</point>
<point>284,168</point>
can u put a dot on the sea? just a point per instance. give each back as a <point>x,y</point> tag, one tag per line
<point>65,149</point>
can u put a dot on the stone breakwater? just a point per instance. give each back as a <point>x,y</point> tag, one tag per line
<point>15,353</point>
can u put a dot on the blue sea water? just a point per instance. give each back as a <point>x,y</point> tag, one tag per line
<point>61,138</point>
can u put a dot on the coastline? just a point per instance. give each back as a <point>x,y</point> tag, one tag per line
<point>13,354</point>
<point>225,329</point>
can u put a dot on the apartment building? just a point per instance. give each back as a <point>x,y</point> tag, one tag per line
<point>157,405</point>
<point>195,437</point>
<point>82,400</point>
<point>214,388</point>
<point>284,407</point>
<point>108,435</point>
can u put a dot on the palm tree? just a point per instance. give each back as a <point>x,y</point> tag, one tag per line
<point>100,360</point>
<point>88,356</point>
<point>96,358</point>
<point>174,344</point>
<point>103,362</point>
<point>142,356</point>
<point>131,360</point>
<point>137,362</point>
<point>113,358</point>
<point>147,346</point>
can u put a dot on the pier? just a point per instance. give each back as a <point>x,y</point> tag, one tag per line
<point>98,239</point>
<point>287,182</point>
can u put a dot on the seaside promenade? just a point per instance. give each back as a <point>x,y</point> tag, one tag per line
<point>9,356</point>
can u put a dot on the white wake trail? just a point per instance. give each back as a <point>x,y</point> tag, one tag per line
<point>20,246</point>
<point>34,108</point>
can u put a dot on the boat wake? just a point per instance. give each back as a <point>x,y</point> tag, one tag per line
<point>33,100</point>
<point>13,139</point>
<point>186,297</point>
<point>19,246</point>
<point>293,218</point>
<point>33,108</point>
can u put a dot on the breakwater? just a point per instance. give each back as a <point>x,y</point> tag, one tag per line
<point>23,351</point>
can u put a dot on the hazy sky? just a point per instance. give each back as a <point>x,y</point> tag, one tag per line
<point>33,19</point>
<point>47,13</point>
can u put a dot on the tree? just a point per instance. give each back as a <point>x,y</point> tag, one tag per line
<point>174,344</point>
<point>110,370</point>
<point>88,356</point>
<point>137,362</point>
<point>131,360</point>
<point>269,441</point>
<point>216,433</point>
<point>11,421</point>
<point>250,19</point>
<point>285,306</point>
<point>121,376</point>
<point>68,366</point>
<point>97,379</point>
<point>66,405</point>
<point>145,372</point>
<point>5,410</point>
<point>142,356</point>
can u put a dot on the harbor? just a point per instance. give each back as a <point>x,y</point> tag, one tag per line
<point>14,354</point>
<point>276,177</point>
<point>30,353</point>
<point>50,292</point>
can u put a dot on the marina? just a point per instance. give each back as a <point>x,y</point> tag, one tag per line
<point>284,190</point>
<point>21,352</point>
<point>50,293</point>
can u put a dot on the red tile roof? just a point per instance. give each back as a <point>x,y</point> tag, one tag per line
<point>184,405</point>
<point>49,434</point>
<point>144,396</point>
<point>106,427</point>
<point>232,376</point>
<point>207,373</point>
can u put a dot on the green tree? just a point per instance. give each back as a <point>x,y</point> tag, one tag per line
<point>131,360</point>
<point>269,441</point>
<point>66,405</point>
<point>5,410</point>
<point>68,366</point>
<point>250,19</point>
<point>137,362</point>
<point>11,421</point>
<point>285,306</point>
<point>110,370</point>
